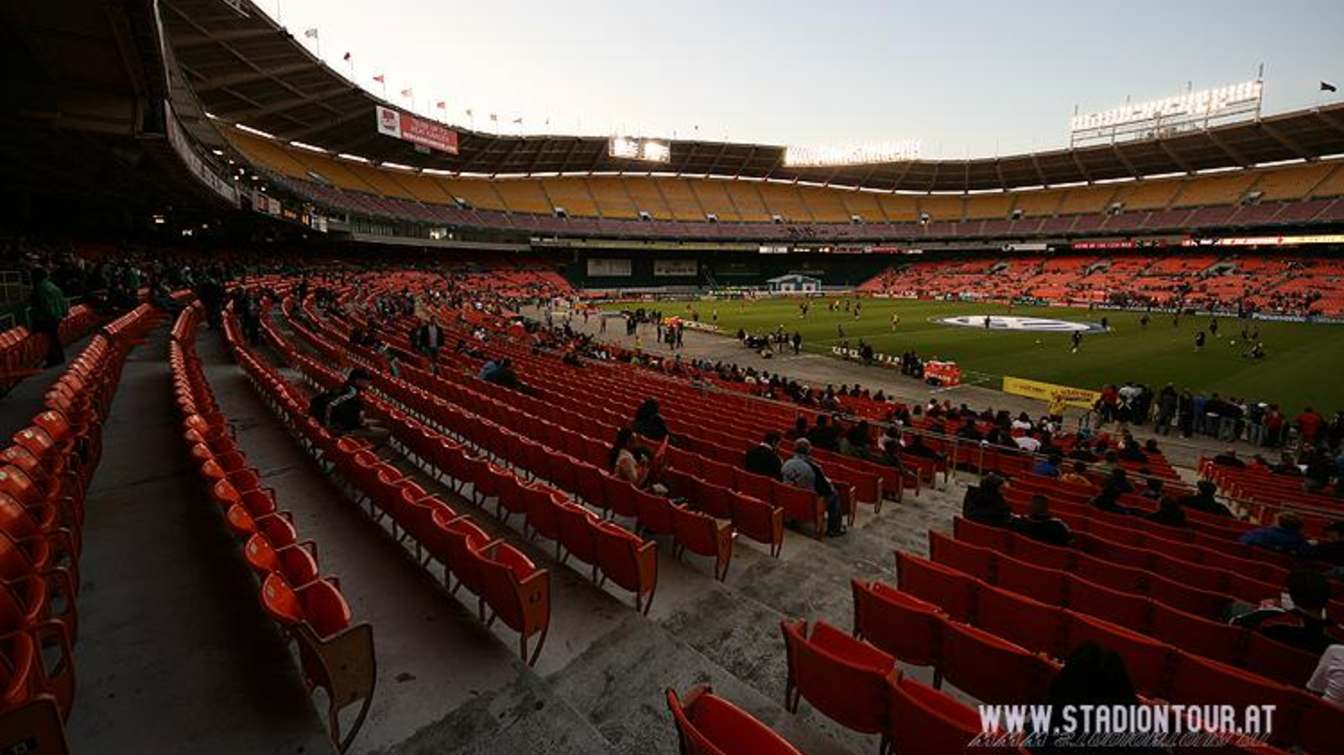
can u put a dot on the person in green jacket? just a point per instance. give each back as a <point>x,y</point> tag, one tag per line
<point>47,308</point>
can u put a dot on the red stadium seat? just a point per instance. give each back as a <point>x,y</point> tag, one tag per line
<point>630,562</point>
<point>990,669</point>
<point>709,725</point>
<point>949,589</point>
<point>840,676</point>
<point>901,625</point>
<point>704,535</point>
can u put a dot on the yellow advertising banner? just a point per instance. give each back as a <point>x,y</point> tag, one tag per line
<point>1057,396</point>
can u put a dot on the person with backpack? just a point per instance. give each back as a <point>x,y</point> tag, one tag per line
<point>341,410</point>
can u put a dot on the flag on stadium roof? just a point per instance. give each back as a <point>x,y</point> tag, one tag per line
<point>311,33</point>
<point>379,78</point>
<point>347,57</point>
<point>1328,87</point>
<point>406,92</point>
<point>441,105</point>
<point>518,120</point>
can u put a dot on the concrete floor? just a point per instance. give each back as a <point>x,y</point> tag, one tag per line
<point>174,653</point>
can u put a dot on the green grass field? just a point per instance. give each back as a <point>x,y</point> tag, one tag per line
<point>1304,365</point>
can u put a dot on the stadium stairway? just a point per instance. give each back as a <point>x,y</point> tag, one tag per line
<point>446,684</point>
<point>173,652</point>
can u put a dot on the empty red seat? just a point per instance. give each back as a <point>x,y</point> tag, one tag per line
<point>629,561</point>
<point>759,520</point>
<point>901,625</point>
<point>991,669</point>
<point>704,535</point>
<point>948,589</point>
<point>318,604</point>
<point>844,678</point>
<point>710,725</point>
<point>578,535</point>
<point>925,721</point>
<point>1148,660</point>
<point>1211,639</point>
<point>519,594</point>
<point>1019,619</point>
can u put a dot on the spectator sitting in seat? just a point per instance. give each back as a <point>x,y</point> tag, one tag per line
<point>1328,679</point>
<point>856,442</point>
<point>1228,458</point>
<point>1330,549</point>
<point>1049,466</point>
<point>763,459</point>
<point>1092,675</point>
<point>985,503</point>
<point>1203,500</point>
<point>1152,489</point>
<point>801,471</point>
<point>1077,475</point>
<point>1168,512</point>
<point>341,410</point>
<point>1039,525</point>
<point>648,422</point>
<point>1300,621</point>
<point>627,461</point>
<point>1284,537</point>
<point>824,435</point>
<point>917,449</point>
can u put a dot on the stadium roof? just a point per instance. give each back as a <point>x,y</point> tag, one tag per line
<point>246,69</point>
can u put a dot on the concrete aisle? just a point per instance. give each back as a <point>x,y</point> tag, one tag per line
<point>174,653</point>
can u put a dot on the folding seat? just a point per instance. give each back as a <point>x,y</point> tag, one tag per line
<point>416,511</point>
<point>296,563</point>
<point>318,604</point>
<point>463,537</point>
<point>902,625</point>
<point>926,721</point>
<point>1114,576</point>
<point>543,505</point>
<point>518,593</point>
<point>754,485</point>
<point>1276,661</point>
<point>1020,620</point>
<point>704,535</point>
<point>1320,724</point>
<point>1190,599</point>
<point>713,499</point>
<point>710,725</point>
<point>800,505</point>
<point>844,678</point>
<point>994,538</point>
<point>1125,609</point>
<point>992,669</point>
<point>653,512</point>
<point>629,561</point>
<point>619,497</point>
<point>1049,586</point>
<point>948,589</point>
<point>1200,681</point>
<point>590,485</point>
<point>759,520</point>
<point>971,559</point>
<point>1041,554</point>
<point>509,496</point>
<point>37,521</point>
<point>560,470</point>
<point>1148,660</point>
<point>1217,640</point>
<point>37,664</point>
<point>578,535</point>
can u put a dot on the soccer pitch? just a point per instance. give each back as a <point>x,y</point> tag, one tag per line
<point>1303,366</point>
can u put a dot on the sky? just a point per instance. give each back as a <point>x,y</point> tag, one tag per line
<point>965,79</point>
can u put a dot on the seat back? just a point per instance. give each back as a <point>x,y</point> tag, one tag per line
<point>901,625</point>
<point>839,675</point>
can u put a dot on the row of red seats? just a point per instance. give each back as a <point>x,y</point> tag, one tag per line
<point>1207,635</point>
<point>508,433</point>
<point>1157,669</point>
<point>336,653</point>
<point>44,475</point>
<point>501,576</point>
<point>628,560</point>
<point>1183,583</point>
<point>22,351</point>
<point>1269,493</point>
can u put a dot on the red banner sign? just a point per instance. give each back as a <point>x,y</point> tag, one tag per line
<point>416,130</point>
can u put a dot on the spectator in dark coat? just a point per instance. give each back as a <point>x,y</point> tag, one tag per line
<point>985,504</point>
<point>763,459</point>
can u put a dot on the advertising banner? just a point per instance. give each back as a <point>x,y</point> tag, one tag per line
<point>1057,396</point>
<point>608,268</point>
<point>675,268</point>
<point>409,128</point>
